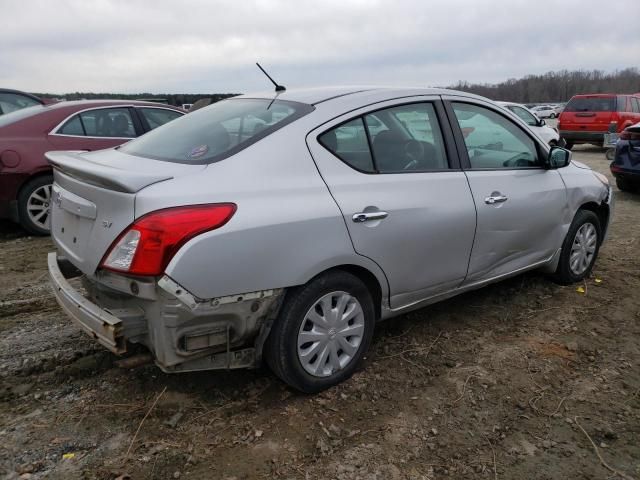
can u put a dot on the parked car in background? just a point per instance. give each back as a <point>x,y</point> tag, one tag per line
<point>545,111</point>
<point>12,100</point>
<point>216,246</point>
<point>586,118</point>
<point>25,136</point>
<point>626,163</point>
<point>539,126</point>
<point>187,106</point>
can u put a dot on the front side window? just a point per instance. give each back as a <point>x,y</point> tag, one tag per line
<point>406,138</point>
<point>492,140</point>
<point>525,115</point>
<point>158,116</point>
<point>108,122</point>
<point>216,132</point>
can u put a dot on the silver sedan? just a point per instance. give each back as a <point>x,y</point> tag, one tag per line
<point>284,226</point>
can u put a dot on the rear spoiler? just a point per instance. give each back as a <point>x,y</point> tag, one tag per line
<point>105,176</point>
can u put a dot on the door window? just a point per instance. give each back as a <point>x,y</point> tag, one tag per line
<point>158,116</point>
<point>108,122</point>
<point>492,140</point>
<point>406,138</point>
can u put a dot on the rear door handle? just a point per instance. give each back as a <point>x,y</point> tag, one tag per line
<point>495,197</point>
<point>368,216</point>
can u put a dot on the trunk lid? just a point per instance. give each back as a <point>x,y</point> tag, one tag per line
<point>93,199</point>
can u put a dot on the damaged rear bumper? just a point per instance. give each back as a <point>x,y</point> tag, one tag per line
<point>183,332</point>
<point>100,324</point>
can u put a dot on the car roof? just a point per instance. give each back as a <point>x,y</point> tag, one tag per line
<point>316,95</point>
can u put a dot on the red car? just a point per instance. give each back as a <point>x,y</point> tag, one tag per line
<point>586,118</point>
<point>25,136</point>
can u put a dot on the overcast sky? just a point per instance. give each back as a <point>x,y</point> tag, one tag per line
<point>194,46</point>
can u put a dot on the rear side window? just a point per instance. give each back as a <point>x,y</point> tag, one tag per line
<point>591,104</point>
<point>401,139</point>
<point>216,132</point>
<point>158,116</point>
<point>349,143</point>
<point>635,105</point>
<point>72,127</point>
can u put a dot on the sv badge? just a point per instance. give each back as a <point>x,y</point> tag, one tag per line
<point>106,224</point>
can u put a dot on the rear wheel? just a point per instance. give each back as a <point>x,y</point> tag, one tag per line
<point>553,115</point>
<point>323,331</point>
<point>34,205</point>
<point>580,248</point>
<point>568,145</point>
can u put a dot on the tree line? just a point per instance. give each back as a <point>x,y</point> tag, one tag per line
<point>170,98</point>
<point>557,86</point>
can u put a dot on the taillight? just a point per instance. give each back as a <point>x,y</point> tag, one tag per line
<point>147,246</point>
<point>627,135</point>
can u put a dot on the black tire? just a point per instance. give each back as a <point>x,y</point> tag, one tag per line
<point>281,346</point>
<point>564,274</point>
<point>23,198</point>
<point>568,145</point>
<point>623,185</point>
<point>553,115</point>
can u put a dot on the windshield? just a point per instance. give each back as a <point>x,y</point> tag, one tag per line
<point>591,104</point>
<point>17,115</point>
<point>217,131</point>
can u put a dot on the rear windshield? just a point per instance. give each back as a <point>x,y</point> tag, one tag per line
<point>591,104</point>
<point>217,131</point>
<point>17,115</point>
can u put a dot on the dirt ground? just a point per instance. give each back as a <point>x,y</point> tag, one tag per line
<point>513,381</point>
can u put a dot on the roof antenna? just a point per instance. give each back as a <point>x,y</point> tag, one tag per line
<point>279,88</point>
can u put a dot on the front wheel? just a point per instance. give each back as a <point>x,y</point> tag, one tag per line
<point>34,205</point>
<point>323,331</point>
<point>580,248</point>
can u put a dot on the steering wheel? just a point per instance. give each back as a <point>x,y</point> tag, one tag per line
<point>414,152</point>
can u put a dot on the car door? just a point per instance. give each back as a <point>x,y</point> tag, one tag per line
<point>96,129</point>
<point>395,175</point>
<point>521,205</point>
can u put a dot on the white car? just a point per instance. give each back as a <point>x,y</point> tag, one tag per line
<point>545,111</point>
<point>548,134</point>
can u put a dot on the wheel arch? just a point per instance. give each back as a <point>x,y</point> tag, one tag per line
<point>601,210</point>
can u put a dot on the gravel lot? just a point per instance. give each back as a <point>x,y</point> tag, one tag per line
<point>513,381</point>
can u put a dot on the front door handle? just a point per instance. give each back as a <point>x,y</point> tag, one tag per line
<point>368,216</point>
<point>495,197</point>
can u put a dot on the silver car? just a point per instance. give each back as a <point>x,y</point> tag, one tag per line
<point>285,226</point>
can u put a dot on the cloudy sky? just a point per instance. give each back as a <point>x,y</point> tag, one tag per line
<point>193,46</point>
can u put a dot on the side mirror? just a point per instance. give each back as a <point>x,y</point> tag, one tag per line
<point>558,157</point>
<point>542,123</point>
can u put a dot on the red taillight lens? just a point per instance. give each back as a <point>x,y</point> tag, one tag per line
<point>147,246</point>
<point>627,135</point>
